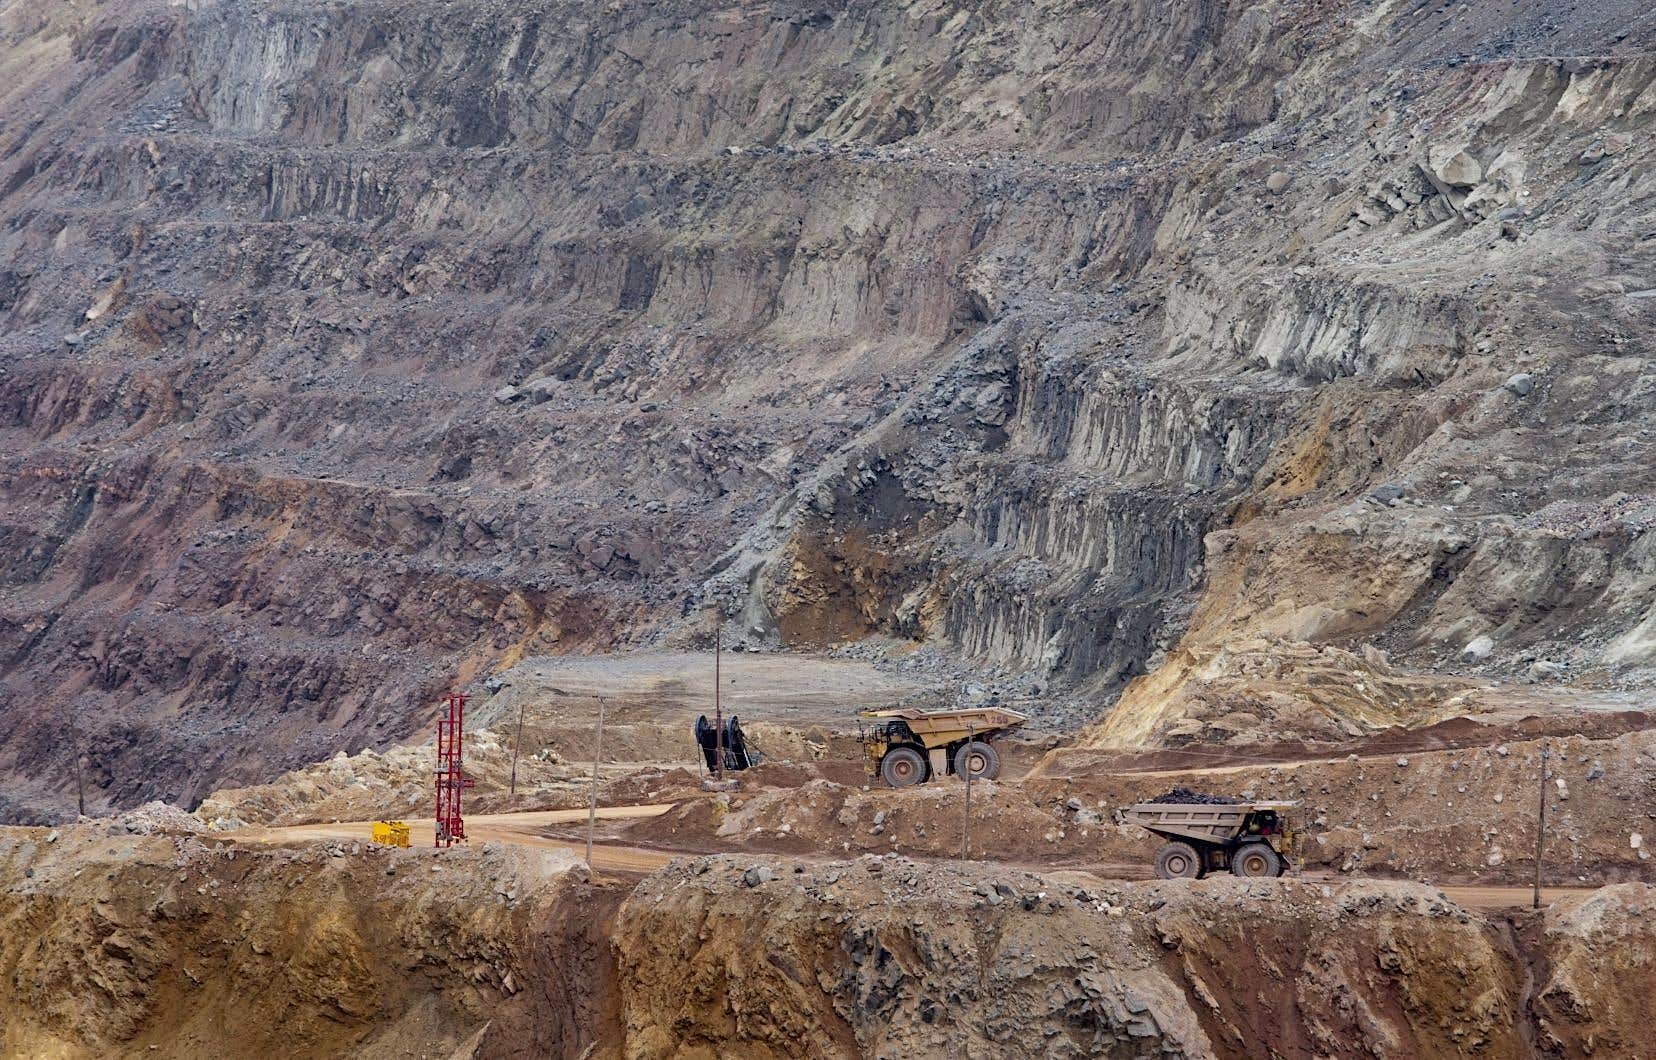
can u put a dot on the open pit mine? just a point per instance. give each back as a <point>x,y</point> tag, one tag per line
<point>675,529</point>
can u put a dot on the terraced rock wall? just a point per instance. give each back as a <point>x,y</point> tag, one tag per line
<point>349,352</point>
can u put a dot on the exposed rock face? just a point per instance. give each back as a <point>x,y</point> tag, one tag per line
<point>1604,939</point>
<point>167,945</point>
<point>349,349</point>
<point>883,957</point>
<point>172,944</point>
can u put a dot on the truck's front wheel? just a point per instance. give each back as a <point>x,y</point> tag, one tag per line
<point>1256,859</point>
<point>902,766</point>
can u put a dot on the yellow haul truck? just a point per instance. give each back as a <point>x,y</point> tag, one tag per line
<point>908,746</point>
<point>1259,838</point>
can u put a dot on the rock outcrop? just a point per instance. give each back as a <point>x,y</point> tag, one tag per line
<point>122,943</point>
<point>882,956</point>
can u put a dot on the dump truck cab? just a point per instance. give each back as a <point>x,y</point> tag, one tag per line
<point>1259,838</point>
<point>907,746</point>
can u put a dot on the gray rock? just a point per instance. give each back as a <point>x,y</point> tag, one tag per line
<point>1520,384</point>
<point>508,394</point>
<point>1596,770</point>
<point>1542,668</point>
<point>1454,167</point>
<point>1388,493</point>
<point>1143,1026</point>
<point>1478,648</point>
<point>1278,182</point>
<point>540,389</point>
<point>757,875</point>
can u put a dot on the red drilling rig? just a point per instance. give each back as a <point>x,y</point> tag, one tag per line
<point>451,779</point>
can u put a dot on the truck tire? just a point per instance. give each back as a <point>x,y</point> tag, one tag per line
<point>902,766</point>
<point>982,760</point>
<point>1255,859</point>
<point>1178,861</point>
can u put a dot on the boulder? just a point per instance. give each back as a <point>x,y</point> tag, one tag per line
<point>1454,167</point>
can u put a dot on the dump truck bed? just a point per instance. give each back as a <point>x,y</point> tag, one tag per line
<point>1207,822</point>
<point>929,724</point>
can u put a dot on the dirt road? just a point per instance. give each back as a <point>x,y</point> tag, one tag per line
<point>517,829</point>
<point>541,830</point>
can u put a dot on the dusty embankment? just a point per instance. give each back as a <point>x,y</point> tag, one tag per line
<point>121,944</point>
<point>1465,814</point>
<point>888,957</point>
<point>176,944</point>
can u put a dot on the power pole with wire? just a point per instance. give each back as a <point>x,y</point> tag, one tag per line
<point>517,745</point>
<point>592,806</point>
<point>718,711</point>
<point>1540,828</point>
<point>966,821</point>
<point>80,760</point>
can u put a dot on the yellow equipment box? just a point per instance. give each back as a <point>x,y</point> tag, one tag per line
<point>391,833</point>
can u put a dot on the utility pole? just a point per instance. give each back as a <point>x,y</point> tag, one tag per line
<point>80,765</point>
<point>1540,827</point>
<point>592,807</point>
<point>966,822</point>
<point>517,745</point>
<point>718,711</point>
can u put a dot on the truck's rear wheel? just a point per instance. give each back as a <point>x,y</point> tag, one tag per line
<point>979,759</point>
<point>902,766</point>
<point>1178,861</point>
<point>1255,859</point>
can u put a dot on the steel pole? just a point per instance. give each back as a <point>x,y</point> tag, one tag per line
<point>592,806</point>
<point>80,766</point>
<point>966,822</point>
<point>1540,829</point>
<point>517,746</point>
<point>718,711</point>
